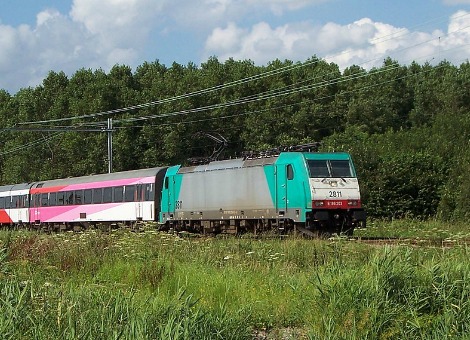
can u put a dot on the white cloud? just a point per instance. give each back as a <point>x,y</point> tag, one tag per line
<point>278,7</point>
<point>363,42</point>
<point>205,14</point>
<point>95,34</point>
<point>117,21</point>
<point>102,33</point>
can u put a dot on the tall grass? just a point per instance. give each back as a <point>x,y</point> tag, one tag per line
<point>158,286</point>
<point>416,229</point>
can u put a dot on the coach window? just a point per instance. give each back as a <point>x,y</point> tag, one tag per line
<point>52,199</point>
<point>97,196</point>
<point>118,194</point>
<point>129,193</point>
<point>147,192</point>
<point>24,201</point>
<point>44,200</point>
<point>78,196</point>
<point>107,195</point>
<point>152,192</point>
<point>69,197</point>
<point>2,202</point>
<point>87,195</point>
<point>60,198</point>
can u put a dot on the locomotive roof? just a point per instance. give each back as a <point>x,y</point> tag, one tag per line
<point>99,178</point>
<point>228,164</point>
<point>260,161</point>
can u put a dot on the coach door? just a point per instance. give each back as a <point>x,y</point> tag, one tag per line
<point>35,201</point>
<point>139,201</point>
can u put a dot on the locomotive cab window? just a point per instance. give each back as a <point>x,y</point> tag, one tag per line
<point>2,202</point>
<point>318,168</point>
<point>330,168</point>
<point>341,168</point>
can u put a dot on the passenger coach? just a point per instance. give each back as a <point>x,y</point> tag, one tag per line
<point>127,197</point>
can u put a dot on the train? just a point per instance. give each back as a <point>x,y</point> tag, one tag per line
<point>309,192</point>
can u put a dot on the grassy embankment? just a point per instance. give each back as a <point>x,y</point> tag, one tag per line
<point>159,286</point>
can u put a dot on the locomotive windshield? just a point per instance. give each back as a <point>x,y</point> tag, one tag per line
<point>330,168</point>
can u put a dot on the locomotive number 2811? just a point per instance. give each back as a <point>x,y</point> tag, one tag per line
<point>335,194</point>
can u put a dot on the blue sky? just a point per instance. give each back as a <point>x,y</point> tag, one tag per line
<point>37,36</point>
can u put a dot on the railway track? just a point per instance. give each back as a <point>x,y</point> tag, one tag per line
<point>422,242</point>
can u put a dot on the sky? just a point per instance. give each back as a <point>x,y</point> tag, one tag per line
<point>39,36</point>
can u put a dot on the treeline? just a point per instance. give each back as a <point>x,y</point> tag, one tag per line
<point>407,127</point>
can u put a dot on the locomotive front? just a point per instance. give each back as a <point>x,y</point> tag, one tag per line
<point>336,200</point>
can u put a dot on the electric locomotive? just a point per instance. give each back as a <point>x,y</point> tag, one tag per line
<point>306,191</point>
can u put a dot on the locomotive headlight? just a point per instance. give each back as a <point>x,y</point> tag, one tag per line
<point>353,203</point>
<point>318,203</point>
